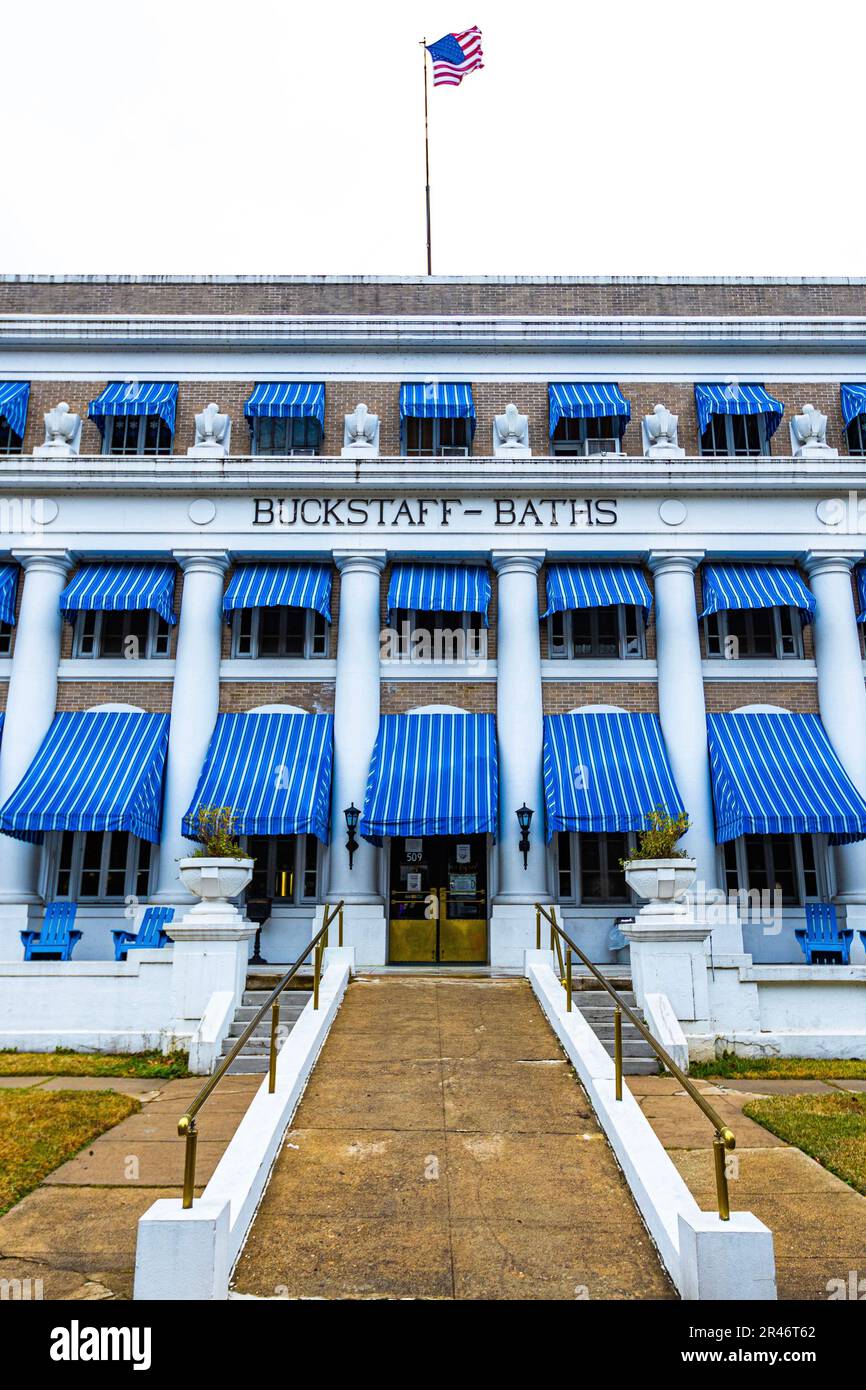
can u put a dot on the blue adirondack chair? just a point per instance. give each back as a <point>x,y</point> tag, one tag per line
<point>56,937</point>
<point>822,936</point>
<point>151,934</point>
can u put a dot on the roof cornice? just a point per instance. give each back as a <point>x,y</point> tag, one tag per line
<point>418,333</point>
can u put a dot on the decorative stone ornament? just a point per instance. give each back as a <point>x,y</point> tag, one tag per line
<point>809,435</point>
<point>360,433</point>
<point>212,434</point>
<point>62,433</point>
<point>511,434</point>
<point>660,435</point>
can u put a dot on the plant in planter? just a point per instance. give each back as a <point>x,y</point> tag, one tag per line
<point>658,870</point>
<point>219,868</point>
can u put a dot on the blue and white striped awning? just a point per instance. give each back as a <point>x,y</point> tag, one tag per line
<point>853,402</point>
<point>136,398</point>
<point>8,591</point>
<point>437,400</point>
<point>778,774</point>
<point>121,589</point>
<point>287,400</point>
<point>432,774</point>
<point>735,398</point>
<point>595,586</point>
<point>755,586</point>
<point>605,772</point>
<point>273,769</point>
<point>440,589</point>
<point>588,400</point>
<point>100,770</point>
<point>280,586</point>
<point>14,396</point>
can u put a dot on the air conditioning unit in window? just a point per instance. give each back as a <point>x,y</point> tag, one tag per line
<point>454,451</point>
<point>302,453</point>
<point>601,446</point>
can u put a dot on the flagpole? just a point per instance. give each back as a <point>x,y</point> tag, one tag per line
<point>427,161</point>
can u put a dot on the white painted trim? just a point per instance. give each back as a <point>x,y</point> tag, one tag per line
<point>182,1255</point>
<point>734,1259</point>
<point>438,671</point>
<point>313,669</point>
<point>96,669</point>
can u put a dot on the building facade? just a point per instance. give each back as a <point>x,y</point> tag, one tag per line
<point>436,554</point>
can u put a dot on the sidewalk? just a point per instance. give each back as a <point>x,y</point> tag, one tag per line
<point>76,1231</point>
<point>818,1221</point>
<point>445,1150</point>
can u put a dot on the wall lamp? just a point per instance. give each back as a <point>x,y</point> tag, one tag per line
<point>353,815</point>
<point>524,819</point>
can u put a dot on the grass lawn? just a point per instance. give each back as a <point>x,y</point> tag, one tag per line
<point>39,1130</point>
<point>779,1068</point>
<point>63,1062</point>
<point>832,1129</point>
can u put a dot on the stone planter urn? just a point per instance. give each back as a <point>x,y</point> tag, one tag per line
<point>664,882</point>
<point>215,881</point>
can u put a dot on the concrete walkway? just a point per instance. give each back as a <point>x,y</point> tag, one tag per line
<point>818,1221</point>
<point>76,1232</point>
<point>444,1149</point>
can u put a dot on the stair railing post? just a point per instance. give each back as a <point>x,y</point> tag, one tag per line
<point>721,1178</point>
<point>537,927</point>
<point>317,970</point>
<point>568,980</point>
<point>272,1058</point>
<point>188,1129</point>
<point>340,920</point>
<point>617,1049</point>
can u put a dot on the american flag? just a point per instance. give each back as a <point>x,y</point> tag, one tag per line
<point>454,55</point>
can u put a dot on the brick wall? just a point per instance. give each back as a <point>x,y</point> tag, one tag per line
<point>561,696</point>
<point>477,697</point>
<point>314,697</point>
<point>359,296</point>
<point>799,697</point>
<point>382,399</point>
<point>154,696</point>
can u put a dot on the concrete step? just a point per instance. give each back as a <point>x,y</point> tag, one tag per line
<point>597,1007</point>
<point>253,1057</point>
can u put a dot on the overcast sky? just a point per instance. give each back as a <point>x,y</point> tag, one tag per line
<point>617,138</point>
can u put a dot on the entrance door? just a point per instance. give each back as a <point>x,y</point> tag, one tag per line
<point>438,900</point>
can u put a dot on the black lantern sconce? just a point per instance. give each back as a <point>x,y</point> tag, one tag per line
<point>353,815</point>
<point>524,819</point>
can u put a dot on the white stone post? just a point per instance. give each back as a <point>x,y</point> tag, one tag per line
<point>842,702</point>
<point>30,708</point>
<point>194,706</point>
<point>356,724</point>
<point>682,710</point>
<point>519,732</point>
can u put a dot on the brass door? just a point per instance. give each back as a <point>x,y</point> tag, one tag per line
<point>438,899</point>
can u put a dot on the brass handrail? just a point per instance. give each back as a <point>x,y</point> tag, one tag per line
<point>724,1138</point>
<point>186,1124</point>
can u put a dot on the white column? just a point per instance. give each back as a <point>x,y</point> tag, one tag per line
<point>519,727</point>
<point>356,720</point>
<point>30,708</point>
<point>841,694</point>
<point>195,701</point>
<point>682,710</point>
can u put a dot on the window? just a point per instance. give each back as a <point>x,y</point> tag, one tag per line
<point>93,866</point>
<point>300,632</point>
<point>616,631</point>
<point>435,438</point>
<point>761,632</point>
<point>287,867</point>
<point>286,436</point>
<point>796,864</point>
<point>442,636</point>
<point>10,442</point>
<point>136,434</point>
<point>735,436</point>
<point>5,639</point>
<point>129,635</point>
<point>588,869</point>
<point>597,436</point>
<point>856,433</point>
